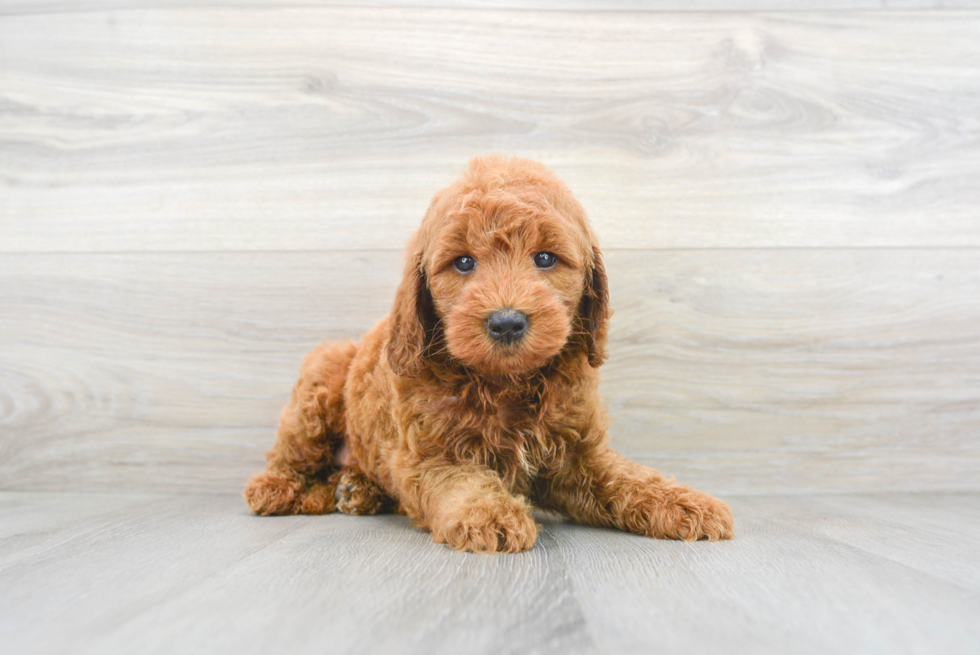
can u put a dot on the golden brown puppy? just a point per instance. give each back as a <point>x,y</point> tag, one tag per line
<point>478,395</point>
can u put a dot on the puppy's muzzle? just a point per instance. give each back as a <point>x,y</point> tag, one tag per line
<point>507,325</point>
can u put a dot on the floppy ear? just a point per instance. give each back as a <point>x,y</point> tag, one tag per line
<point>413,321</point>
<point>594,310</point>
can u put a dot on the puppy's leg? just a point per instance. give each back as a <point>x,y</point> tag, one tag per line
<point>310,428</point>
<point>604,488</point>
<point>469,509</point>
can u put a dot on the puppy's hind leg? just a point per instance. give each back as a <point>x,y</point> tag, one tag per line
<point>310,429</point>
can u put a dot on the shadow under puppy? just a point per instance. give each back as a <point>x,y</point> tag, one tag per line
<point>477,396</point>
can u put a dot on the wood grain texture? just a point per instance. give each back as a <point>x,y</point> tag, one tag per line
<point>939,535</point>
<point>192,197</point>
<point>774,588</point>
<point>15,7</point>
<point>740,371</point>
<point>300,585</point>
<point>196,573</point>
<point>31,523</point>
<point>330,127</point>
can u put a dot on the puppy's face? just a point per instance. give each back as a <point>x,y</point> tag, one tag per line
<point>501,276</point>
<point>506,279</point>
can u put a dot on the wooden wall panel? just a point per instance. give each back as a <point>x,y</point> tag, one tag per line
<point>19,7</point>
<point>743,371</point>
<point>330,128</point>
<point>192,195</point>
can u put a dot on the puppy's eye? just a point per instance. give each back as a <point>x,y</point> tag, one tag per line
<point>545,260</point>
<point>464,263</point>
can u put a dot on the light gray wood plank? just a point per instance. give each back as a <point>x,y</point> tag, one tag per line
<point>32,522</point>
<point>296,584</point>
<point>938,534</point>
<point>39,512</point>
<point>774,588</point>
<point>738,371</point>
<point>370,592</point>
<point>330,128</point>
<point>197,573</point>
<point>107,571</point>
<point>821,369</point>
<point>14,7</point>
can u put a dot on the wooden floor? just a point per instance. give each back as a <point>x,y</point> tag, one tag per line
<point>100,573</point>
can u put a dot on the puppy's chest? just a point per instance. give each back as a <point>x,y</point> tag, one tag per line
<point>516,439</point>
<point>502,419</point>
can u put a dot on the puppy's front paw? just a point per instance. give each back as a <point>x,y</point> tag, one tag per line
<point>504,527</point>
<point>691,515</point>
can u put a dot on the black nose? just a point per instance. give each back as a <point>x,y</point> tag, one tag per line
<point>507,325</point>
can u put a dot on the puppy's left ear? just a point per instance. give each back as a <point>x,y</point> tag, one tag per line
<point>594,310</point>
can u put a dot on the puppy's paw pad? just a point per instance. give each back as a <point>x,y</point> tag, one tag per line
<point>356,494</point>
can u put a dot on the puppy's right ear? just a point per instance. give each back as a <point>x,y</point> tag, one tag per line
<point>594,311</point>
<point>413,320</point>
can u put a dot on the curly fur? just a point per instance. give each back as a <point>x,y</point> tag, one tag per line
<point>431,417</point>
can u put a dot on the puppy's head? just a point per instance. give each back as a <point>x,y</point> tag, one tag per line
<point>503,274</point>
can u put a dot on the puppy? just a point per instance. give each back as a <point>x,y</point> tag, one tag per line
<point>478,395</point>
